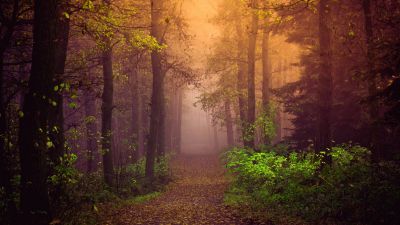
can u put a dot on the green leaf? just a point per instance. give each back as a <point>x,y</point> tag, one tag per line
<point>74,96</point>
<point>72,105</point>
<point>66,15</point>
<point>49,144</point>
<point>20,114</point>
<point>88,5</point>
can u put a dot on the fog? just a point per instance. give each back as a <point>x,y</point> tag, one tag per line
<point>199,135</point>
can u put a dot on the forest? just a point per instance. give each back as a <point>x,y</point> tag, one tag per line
<point>199,112</point>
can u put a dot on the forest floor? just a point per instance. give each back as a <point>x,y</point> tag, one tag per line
<point>194,197</point>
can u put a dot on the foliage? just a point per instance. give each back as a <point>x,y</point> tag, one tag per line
<point>265,122</point>
<point>131,179</point>
<point>86,195</point>
<point>65,173</point>
<point>351,190</point>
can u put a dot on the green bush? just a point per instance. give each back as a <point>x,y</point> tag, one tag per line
<point>351,190</point>
<point>131,179</point>
<point>86,194</point>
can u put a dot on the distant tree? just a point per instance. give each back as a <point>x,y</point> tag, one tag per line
<point>241,73</point>
<point>251,61</point>
<point>91,131</point>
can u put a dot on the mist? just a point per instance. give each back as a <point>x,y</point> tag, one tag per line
<point>199,112</point>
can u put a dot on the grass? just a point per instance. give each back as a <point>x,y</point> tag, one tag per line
<point>141,199</point>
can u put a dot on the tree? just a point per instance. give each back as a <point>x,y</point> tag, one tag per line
<point>228,122</point>
<point>106,116</point>
<point>91,131</point>
<point>372,90</point>
<point>241,76</point>
<point>7,28</point>
<point>37,133</point>
<point>157,95</point>
<point>135,126</point>
<point>324,80</point>
<point>266,63</point>
<point>251,61</point>
<point>107,100</point>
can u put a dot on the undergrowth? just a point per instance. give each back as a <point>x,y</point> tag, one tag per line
<point>87,199</point>
<point>290,186</point>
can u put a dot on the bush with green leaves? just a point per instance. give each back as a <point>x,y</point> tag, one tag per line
<point>85,194</point>
<point>350,190</point>
<point>131,179</point>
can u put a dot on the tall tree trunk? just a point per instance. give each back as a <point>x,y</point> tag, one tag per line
<point>229,124</point>
<point>161,125</point>
<point>241,78</point>
<point>266,65</point>
<point>91,131</point>
<point>135,105</point>
<point>216,138</point>
<point>172,118</point>
<point>156,98</point>
<point>251,92</point>
<point>144,125</point>
<point>5,172</point>
<point>178,132</point>
<point>324,81</point>
<point>106,108</point>
<point>57,113</point>
<point>280,112</point>
<point>266,82</point>
<point>372,90</point>
<point>36,124</point>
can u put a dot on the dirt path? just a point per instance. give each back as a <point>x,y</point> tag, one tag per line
<point>196,197</point>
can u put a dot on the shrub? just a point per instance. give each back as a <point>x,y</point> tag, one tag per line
<point>86,194</point>
<point>131,179</point>
<point>351,190</point>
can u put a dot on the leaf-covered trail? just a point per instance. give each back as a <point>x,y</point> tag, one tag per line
<point>196,197</point>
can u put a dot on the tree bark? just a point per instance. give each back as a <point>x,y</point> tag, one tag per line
<point>178,132</point>
<point>161,125</point>
<point>266,82</point>
<point>57,113</point>
<point>216,138</point>
<point>156,98</point>
<point>36,133</point>
<point>144,125</point>
<point>241,78</point>
<point>172,118</point>
<point>5,173</point>
<point>266,65</point>
<point>372,90</point>
<point>229,124</point>
<point>280,111</point>
<point>324,82</point>
<point>135,106</point>
<point>251,95</point>
<point>107,107</point>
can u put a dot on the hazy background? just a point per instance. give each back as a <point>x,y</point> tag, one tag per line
<point>199,136</point>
